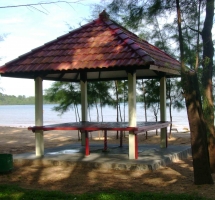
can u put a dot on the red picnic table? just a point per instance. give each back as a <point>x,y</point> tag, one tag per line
<point>86,127</point>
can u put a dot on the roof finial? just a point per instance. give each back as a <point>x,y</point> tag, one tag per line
<point>103,15</point>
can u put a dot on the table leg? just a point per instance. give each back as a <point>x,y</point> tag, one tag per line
<point>87,148</point>
<point>105,140</point>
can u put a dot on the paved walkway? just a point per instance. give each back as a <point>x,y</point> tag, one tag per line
<point>150,157</point>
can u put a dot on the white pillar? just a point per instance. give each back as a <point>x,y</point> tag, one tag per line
<point>163,135</point>
<point>39,141</point>
<point>83,101</point>
<point>83,104</point>
<point>132,112</point>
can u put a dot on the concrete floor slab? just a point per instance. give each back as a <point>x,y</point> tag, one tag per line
<point>150,156</point>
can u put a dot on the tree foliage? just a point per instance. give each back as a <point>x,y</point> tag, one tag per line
<point>183,37</point>
<point>99,96</point>
<point>67,95</point>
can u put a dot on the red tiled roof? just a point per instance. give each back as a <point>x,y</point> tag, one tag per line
<point>99,45</point>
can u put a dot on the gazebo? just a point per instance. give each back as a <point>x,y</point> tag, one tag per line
<point>98,51</point>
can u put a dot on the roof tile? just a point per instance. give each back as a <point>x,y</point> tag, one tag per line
<point>123,36</point>
<point>129,41</point>
<point>135,46</point>
<point>108,22</point>
<point>141,52</point>
<point>113,26</point>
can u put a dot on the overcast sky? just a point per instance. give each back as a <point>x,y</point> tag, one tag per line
<point>26,28</point>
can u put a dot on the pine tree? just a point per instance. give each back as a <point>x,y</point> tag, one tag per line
<point>186,19</point>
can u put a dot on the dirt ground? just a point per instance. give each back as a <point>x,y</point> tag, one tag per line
<point>174,178</point>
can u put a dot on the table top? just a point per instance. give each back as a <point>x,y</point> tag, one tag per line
<point>95,126</point>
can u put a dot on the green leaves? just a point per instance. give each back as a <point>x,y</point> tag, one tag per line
<point>66,94</point>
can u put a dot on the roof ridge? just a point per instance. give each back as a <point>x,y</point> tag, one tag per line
<point>104,15</point>
<point>129,38</point>
<point>161,50</point>
<point>134,37</point>
<point>126,30</point>
<point>140,39</point>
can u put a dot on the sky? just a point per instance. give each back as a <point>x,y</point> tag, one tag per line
<point>26,28</point>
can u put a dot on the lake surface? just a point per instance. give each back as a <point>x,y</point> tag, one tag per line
<point>23,115</point>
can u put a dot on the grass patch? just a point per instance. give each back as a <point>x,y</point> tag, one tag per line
<point>8,192</point>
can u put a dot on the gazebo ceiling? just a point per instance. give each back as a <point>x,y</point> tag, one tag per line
<point>102,48</point>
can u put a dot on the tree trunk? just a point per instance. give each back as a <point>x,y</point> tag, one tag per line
<point>97,111</point>
<point>170,115</point>
<point>208,53</point>
<point>145,108</point>
<point>78,113</point>
<point>120,112</point>
<point>170,110</point>
<point>77,119</point>
<point>89,113</point>
<point>124,106</point>
<point>101,110</point>
<point>201,165</point>
<point>199,145</point>
<point>117,106</point>
<point>156,118</point>
<point>198,36</point>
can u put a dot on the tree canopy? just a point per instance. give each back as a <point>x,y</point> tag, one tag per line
<point>179,24</point>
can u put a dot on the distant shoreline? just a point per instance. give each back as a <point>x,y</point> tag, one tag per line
<point>25,104</point>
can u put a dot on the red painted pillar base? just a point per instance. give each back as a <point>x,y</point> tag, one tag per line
<point>105,140</point>
<point>166,139</point>
<point>121,135</point>
<point>136,147</point>
<point>87,148</point>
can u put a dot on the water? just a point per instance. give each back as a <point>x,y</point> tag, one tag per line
<point>23,115</point>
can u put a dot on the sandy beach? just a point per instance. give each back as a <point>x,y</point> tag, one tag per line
<point>176,177</point>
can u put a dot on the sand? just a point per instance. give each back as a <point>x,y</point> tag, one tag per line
<point>176,177</point>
